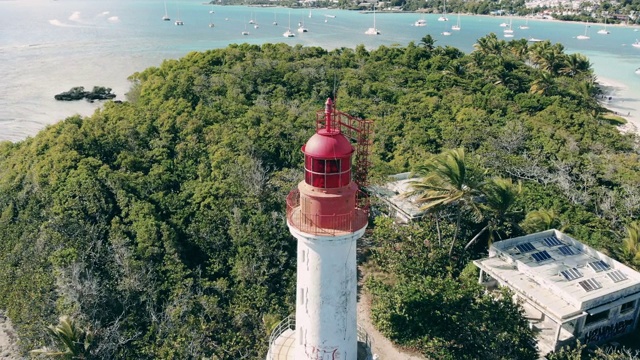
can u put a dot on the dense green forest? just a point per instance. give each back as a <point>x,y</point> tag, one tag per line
<point>155,228</point>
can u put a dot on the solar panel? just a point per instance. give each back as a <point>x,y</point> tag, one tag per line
<point>617,276</point>
<point>526,247</point>
<point>541,256</point>
<point>599,265</point>
<point>571,274</point>
<point>566,250</point>
<point>590,285</point>
<point>552,241</point>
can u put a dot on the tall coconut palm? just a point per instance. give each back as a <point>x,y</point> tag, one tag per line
<point>497,208</point>
<point>446,179</point>
<point>74,341</point>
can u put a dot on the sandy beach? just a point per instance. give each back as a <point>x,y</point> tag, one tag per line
<point>622,102</point>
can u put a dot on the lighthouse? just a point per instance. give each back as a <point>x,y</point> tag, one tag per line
<point>326,215</point>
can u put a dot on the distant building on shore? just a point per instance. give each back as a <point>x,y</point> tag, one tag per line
<point>569,291</point>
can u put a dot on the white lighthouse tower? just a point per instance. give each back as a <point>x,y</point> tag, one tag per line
<point>324,214</point>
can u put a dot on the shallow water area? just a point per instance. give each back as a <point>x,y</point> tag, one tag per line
<point>47,47</point>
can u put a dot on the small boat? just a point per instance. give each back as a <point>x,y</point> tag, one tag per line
<point>166,14</point>
<point>373,30</point>
<point>275,18</point>
<point>302,29</point>
<point>330,16</point>
<point>504,24</point>
<point>443,17</point>
<point>245,32</point>
<point>178,21</point>
<point>211,11</point>
<point>638,71</point>
<point>525,26</point>
<point>456,27</point>
<point>604,30</point>
<point>289,33</point>
<point>421,22</point>
<point>309,14</point>
<point>532,39</point>
<point>585,36</point>
<point>446,33</point>
<point>508,35</point>
<point>508,30</point>
<point>636,44</point>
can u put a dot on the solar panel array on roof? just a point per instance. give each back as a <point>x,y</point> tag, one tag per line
<point>617,276</point>
<point>526,247</point>
<point>599,265</point>
<point>541,256</point>
<point>552,241</point>
<point>590,285</point>
<point>571,274</point>
<point>566,250</point>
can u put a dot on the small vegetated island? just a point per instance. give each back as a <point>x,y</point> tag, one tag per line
<point>78,93</point>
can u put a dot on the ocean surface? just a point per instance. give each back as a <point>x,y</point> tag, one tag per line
<point>49,46</point>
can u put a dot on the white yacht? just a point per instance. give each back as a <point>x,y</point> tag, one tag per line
<point>288,33</point>
<point>636,44</point>
<point>584,36</point>
<point>373,30</point>
<point>421,22</point>
<point>166,14</point>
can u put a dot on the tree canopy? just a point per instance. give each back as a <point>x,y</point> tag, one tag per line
<point>157,224</point>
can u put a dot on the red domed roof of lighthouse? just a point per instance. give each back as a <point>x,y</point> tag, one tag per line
<point>328,145</point>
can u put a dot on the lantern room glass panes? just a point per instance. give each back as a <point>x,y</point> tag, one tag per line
<point>327,173</point>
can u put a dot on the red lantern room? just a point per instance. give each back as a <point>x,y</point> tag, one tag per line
<point>327,156</point>
<point>326,202</point>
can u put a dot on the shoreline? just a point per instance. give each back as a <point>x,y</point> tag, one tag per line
<point>620,101</point>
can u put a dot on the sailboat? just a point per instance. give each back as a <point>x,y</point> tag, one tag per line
<point>211,11</point>
<point>245,32</point>
<point>166,14</point>
<point>604,31</point>
<point>585,36</point>
<point>178,21</point>
<point>508,32</point>
<point>456,27</point>
<point>525,26</point>
<point>443,17</point>
<point>251,19</point>
<point>421,22</point>
<point>275,18</point>
<point>309,14</point>
<point>373,30</point>
<point>301,28</point>
<point>289,33</point>
<point>211,19</point>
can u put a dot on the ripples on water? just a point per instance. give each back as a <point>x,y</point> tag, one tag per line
<point>51,46</point>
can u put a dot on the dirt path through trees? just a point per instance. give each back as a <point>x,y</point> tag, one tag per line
<point>381,346</point>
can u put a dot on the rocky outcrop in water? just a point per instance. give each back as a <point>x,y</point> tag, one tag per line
<point>78,93</point>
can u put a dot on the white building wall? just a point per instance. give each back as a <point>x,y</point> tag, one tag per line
<point>326,296</point>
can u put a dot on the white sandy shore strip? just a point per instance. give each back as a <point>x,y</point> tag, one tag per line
<point>8,349</point>
<point>621,101</point>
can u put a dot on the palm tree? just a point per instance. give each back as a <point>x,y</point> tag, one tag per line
<point>500,196</point>
<point>75,341</point>
<point>428,42</point>
<point>576,65</point>
<point>542,219</point>
<point>446,179</point>
<point>543,84</point>
<point>631,243</point>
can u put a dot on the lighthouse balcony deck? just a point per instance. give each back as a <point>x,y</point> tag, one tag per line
<point>327,225</point>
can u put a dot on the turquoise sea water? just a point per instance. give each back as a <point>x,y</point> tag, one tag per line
<point>49,46</point>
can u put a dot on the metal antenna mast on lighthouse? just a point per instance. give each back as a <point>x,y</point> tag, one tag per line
<point>327,213</point>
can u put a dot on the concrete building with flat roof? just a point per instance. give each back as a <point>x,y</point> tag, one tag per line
<point>394,196</point>
<point>569,291</point>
